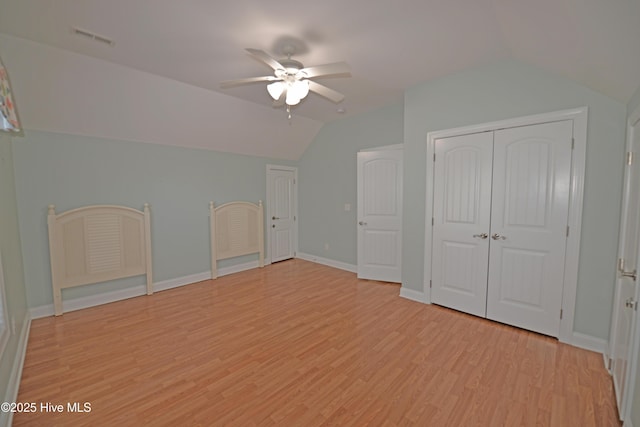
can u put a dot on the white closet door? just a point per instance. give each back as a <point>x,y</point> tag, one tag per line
<point>380,215</point>
<point>282,208</point>
<point>530,205</point>
<point>462,207</point>
<point>623,318</point>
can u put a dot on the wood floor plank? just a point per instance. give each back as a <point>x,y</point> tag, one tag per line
<point>301,344</point>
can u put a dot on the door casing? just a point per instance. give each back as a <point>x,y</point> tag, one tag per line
<point>579,117</point>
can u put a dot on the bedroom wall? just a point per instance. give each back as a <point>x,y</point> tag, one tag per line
<point>72,171</point>
<point>327,173</point>
<point>10,248</point>
<point>508,89</point>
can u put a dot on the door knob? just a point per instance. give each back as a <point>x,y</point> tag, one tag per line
<point>481,236</point>
<point>274,218</point>
<point>630,303</point>
<point>362,223</point>
<point>497,236</point>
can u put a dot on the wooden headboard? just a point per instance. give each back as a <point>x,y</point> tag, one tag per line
<point>98,243</point>
<point>237,228</point>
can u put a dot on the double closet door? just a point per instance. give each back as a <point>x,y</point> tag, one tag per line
<point>501,203</point>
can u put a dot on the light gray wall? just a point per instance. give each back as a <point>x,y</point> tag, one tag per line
<point>11,259</point>
<point>327,173</point>
<point>72,171</point>
<point>509,89</point>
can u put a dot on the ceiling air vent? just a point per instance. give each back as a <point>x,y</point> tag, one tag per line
<point>93,36</point>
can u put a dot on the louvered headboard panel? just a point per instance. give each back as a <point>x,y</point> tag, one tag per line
<point>236,229</point>
<point>98,243</point>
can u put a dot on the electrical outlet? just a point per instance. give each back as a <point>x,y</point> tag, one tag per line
<point>326,246</point>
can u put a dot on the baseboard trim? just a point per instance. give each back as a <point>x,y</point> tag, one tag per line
<point>180,281</point>
<point>328,262</point>
<point>136,291</point>
<point>413,295</point>
<point>11,394</point>
<point>589,342</point>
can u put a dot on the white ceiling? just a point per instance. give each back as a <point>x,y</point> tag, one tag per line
<point>390,46</point>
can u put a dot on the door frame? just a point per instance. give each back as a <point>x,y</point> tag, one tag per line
<point>271,168</point>
<point>634,344</point>
<point>578,156</point>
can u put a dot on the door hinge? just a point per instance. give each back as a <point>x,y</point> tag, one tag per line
<point>433,221</point>
<point>294,181</point>
<point>620,264</point>
<point>573,143</point>
<point>294,217</point>
<point>434,157</point>
<point>567,231</point>
<point>629,158</point>
<point>560,313</point>
<point>430,284</point>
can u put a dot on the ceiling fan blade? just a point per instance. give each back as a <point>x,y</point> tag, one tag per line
<point>322,90</point>
<point>335,69</point>
<point>231,83</point>
<point>264,57</point>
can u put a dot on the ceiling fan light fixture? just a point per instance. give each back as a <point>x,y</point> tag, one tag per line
<point>300,88</point>
<point>292,99</point>
<point>275,90</point>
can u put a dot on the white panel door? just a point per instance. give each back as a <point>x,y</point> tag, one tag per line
<point>461,217</point>
<point>529,216</point>
<point>380,215</point>
<point>282,213</point>
<point>624,314</point>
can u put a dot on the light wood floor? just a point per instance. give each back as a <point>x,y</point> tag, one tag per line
<point>300,344</point>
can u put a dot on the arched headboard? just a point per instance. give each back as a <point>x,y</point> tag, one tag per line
<point>98,243</point>
<point>237,228</point>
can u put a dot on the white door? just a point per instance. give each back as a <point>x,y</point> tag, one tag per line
<point>281,212</point>
<point>462,209</point>
<point>380,215</point>
<point>529,217</point>
<point>501,203</point>
<point>623,309</point>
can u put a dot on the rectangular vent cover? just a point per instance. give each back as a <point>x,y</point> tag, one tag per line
<point>93,36</point>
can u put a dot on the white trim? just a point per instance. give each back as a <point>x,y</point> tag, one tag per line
<point>136,291</point>
<point>11,393</point>
<point>383,148</point>
<point>293,169</point>
<point>634,116</point>
<point>181,281</point>
<point>627,423</point>
<point>589,342</point>
<point>329,262</point>
<point>232,269</point>
<point>412,295</point>
<point>579,117</point>
<point>7,328</point>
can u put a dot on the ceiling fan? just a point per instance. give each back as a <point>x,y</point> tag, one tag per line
<point>291,81</point>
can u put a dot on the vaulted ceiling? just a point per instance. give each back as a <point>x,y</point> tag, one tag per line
<point>390,46</point>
